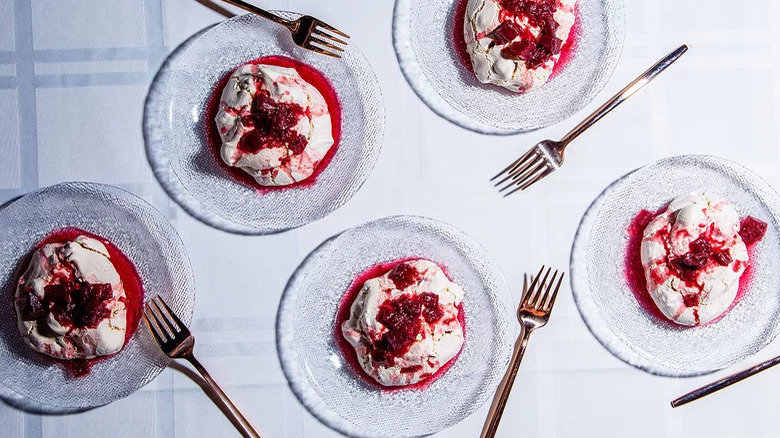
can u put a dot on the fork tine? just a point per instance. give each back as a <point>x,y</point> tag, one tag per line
<point>160,335</point>
<point>323,42</point>
<point>525,283</point>
<point>530,174</point>
<point>149,325</point>
<point>521,174</point>
<point>549,305</point>
<point>534,153</point>
<point>539,295</point>
<point>172,314</point>
<point>322,51</point>
<point>530,290</point>
<point>546,296</point>
<point>330,28</point>
<point>517,162</point>
<point>520,178</point>
<point>546,172</point>
<point>527,160</point>
<point>168,324</point>
<point>328,36</point>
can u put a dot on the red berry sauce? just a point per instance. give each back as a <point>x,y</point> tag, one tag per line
<point>400,316</point>
<point>275,120</point>
<point>458,37</point>
<point>80,303</point>
<point>403,276</point>
<point>752,230</point>
<point>635,273</point>
<point>686,266</point>
<point>535,51</point>
<point>73,302</point>
<point>570,48</point>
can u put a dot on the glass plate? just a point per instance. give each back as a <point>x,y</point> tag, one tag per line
<point>144,235</point>
<point>16,401</point>
<point>424,40</point>
<point>610,309</point>
<point>175,126</point>
<point>313,362</point>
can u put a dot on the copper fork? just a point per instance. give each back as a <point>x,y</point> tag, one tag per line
<point>533,313</point>
<point>307,32</point>
<point>547,156</point>
<point>177,342</point>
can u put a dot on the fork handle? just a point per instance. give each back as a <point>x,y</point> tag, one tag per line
<point>725,382</point>
<point>624,94</point>
<point>293,26</point>
<point>505,387</point>
<point>247,430</point>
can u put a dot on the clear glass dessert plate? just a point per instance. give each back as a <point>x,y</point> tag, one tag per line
<point>144,235</point>
<point>426,46</point>
<point>612,312</point>
<point>176,126</point>
<point>313,362</point>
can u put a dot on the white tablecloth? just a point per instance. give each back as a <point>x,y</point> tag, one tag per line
<point>73,78</point>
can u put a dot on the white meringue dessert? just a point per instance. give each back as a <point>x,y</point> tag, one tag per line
<point>404,325</point>
<point>693,257</point>
<point>70,301</point>
<point>516,44</point>
<point>274,125</point>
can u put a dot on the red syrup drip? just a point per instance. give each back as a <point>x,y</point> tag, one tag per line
<point>567,53</point>
<point>131,282</point>
<point>635,273</point>
<point>458,37</point>
<point>310,75</point>
<point>570,48</point>
<point>348,351</point>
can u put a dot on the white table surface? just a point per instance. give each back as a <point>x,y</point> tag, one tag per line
<point>73,78</point>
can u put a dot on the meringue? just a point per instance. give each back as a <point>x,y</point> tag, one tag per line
<point>510,49</point>
<point>55,270</point>
<point>693,257</point>
<point>404,324</point>
<point>297,111</point>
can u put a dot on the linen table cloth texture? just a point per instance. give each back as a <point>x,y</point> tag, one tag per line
<point>73,78</point>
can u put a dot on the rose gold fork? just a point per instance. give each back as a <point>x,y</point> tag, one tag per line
<point>547,156</point>
<point>533,313</point>
<point>177,342</point>
<point>307,32</point>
